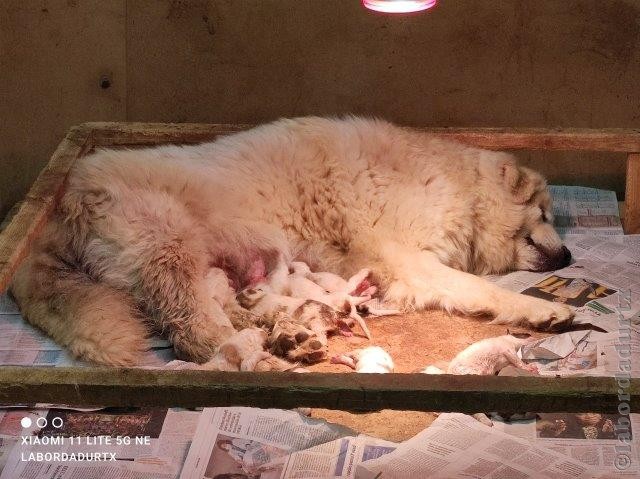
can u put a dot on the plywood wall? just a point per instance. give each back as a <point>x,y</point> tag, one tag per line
<point>465,63</point>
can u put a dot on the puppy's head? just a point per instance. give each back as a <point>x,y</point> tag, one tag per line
<point>537,246</point>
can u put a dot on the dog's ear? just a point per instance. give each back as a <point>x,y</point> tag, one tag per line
<point>521,182</point>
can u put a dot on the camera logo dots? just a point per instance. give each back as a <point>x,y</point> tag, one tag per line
<point>41,422</point>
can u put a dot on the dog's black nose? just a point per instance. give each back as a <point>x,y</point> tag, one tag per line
<point>566,255</point>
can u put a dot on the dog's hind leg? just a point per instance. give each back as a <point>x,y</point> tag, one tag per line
<point>173,288</point>
<point>161,254</point>
<point>422,281</point>
<point>93,320</point>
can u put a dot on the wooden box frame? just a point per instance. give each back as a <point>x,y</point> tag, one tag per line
<point>365,392</point>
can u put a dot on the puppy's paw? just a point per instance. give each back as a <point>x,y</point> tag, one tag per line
<point>296,343</point>
<point>249,297</point>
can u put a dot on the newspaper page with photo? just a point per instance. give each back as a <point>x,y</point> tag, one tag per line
<point>67,444</point>
<point>590,438</point>
<point>252,443</point>
<point>23,345</point>
<point>458,446</point>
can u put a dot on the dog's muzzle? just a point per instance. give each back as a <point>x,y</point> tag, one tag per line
<point>556,260</point>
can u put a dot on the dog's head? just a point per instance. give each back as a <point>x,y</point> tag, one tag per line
<point>523,218</point>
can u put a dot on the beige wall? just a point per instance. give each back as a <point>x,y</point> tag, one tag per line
<point>466,63</point>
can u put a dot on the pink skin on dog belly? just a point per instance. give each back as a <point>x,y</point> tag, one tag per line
<point>257,271</point>
<point>242,274</point>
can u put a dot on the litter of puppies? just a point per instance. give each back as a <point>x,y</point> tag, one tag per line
<point>284,317</point>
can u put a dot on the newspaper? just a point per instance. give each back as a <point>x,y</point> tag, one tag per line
<point>255,442</point>
<point>586,353</point>
<point>23,345</point>
<point>6,446</point>
<point>458,446</point>
<point>7,305</point>
<point>64,444</point>
<point>590,438</point>
<point>337,459</point>
<point>616,348</point>
<point>568,354</point>
<point>580,210</point>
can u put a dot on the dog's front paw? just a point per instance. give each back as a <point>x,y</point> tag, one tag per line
<point>538,314</point>
<point>548,316</point>
<point>296,343</point>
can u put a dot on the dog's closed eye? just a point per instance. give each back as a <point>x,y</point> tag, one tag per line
<point>544,216</point>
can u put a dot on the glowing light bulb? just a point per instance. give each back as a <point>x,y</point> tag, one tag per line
<point>398,6</point>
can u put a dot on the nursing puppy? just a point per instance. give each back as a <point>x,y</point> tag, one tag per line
<point>136,232</point>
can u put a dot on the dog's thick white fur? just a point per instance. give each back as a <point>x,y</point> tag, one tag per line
<point>137,231</point>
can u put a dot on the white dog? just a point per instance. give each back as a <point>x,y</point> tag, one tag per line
<point>137,231</point>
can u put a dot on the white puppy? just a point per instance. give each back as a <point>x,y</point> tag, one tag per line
<point>490,355</point>
<point>487,357</point>
<point>373,359</point>
<point>332,283</point>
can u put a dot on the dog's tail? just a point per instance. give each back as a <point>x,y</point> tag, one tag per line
<point>93,320</point>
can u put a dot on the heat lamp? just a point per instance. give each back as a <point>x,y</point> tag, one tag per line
<point>398,6</point>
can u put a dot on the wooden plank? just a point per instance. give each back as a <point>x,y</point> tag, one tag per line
<point>632,195</point>
<point>364,392</point>
<point>114,134</point>
<point>569,139</point>
<point>16,238</point>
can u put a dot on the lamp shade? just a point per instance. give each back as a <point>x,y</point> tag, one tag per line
<point>398,6</point>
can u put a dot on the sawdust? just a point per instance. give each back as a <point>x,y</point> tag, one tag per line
<point>414,341</point>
